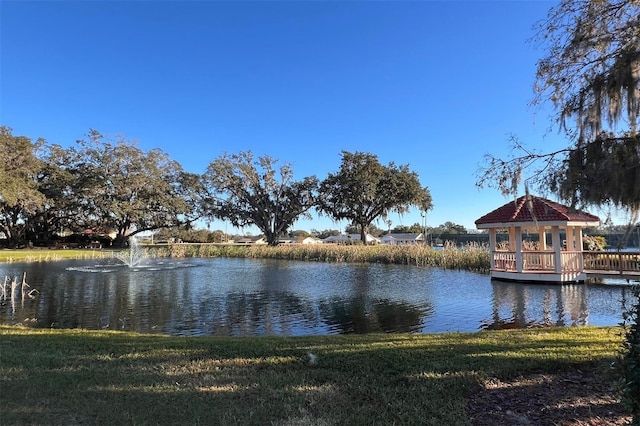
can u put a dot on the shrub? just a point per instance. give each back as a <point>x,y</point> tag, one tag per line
<point>629,358</point>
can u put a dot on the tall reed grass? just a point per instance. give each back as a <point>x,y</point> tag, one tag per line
<point>472,257</point>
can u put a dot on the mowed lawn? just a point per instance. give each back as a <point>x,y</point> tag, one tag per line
<point>71,377</point>
<point>43,254</point>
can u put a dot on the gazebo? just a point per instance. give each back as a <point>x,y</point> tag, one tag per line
<point>528,254</point>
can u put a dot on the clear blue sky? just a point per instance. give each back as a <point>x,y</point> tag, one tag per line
<point>432,84</point>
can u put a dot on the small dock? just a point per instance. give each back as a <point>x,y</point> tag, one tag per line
<point>623,265</point>
<point>594,264</point>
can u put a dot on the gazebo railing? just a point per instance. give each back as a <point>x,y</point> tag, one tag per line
<point>504,260</point>
<point>538,261</point>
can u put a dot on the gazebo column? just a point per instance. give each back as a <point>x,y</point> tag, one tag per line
<point>542,246</point>
<point>580,243</point>
<point>574,245</point>
<point>556,242</point>
<point>542,237</point>
<point>518,238</point>
<point>580,248</point>
<point>571,239</point>
<point>493,245</point>
<point>512,239</point>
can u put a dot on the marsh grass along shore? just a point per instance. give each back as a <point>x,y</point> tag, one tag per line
<point>471,257</point>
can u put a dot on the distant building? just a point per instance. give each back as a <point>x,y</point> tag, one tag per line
<point>311,240</point>
<point>251,240</point>
<point>402,239</point>
<point>350,239</point>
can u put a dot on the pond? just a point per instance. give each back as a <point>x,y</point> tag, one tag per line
<point>250,297</point>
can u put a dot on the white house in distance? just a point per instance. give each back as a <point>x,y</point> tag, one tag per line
<point>349,239</point>
<point>259,239</point>
<point>311,240</point>
<point>402,239</point>
<point>537,261</point>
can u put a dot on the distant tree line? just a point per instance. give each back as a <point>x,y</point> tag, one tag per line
<point>611,238</point>
<point>101,186</point>
<point>447,231</point>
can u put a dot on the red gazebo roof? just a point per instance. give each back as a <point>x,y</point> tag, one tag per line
<point>532,210</point>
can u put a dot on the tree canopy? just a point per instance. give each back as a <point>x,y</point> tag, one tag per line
<point>101,185</point>
<point>591,70</point>
<point>590,75</point>
<point>19,195</point>
<point>364,190</point>
<point>605,171</point>
<point>450,228</point>
<point>247,191</point>
<point>129,189</point>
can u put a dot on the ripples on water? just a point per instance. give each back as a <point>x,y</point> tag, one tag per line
<point>241,297</point>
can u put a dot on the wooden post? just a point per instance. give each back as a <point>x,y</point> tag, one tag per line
<point>542,236</point>
<point>580,249</point>
<point>519,260</point>
<point>569,238</point>
<point>542,246</point>
<point>556,242</point>
<point>492,247</point>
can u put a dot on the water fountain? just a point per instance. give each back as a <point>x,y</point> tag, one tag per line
<point>134,256</point>
<point>134,259</point>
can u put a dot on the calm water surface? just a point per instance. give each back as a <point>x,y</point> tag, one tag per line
<point>238,297</point>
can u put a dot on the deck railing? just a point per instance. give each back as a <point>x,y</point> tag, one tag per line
<point>612,261</point>
<point>572,261</point>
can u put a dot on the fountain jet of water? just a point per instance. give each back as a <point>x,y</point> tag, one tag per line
<point>134,256</point>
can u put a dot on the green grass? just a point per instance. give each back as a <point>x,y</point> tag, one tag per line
<point>96,378</point>
<point>42,255</point>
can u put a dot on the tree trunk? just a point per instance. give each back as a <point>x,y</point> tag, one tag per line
<point>120,240</point>
<point>272,238</point>
<point>364,230</point>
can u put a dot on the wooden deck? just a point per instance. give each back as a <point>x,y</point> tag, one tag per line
<point>625,265</point>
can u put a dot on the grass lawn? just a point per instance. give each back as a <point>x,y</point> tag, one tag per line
<point>44,254</point>
<point>115,378</point>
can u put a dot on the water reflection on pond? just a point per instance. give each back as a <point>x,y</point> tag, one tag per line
<point>269,297</point>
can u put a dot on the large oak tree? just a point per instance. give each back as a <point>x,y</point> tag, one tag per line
<point>61,209</point>
<point>247,191</point>
<point>19,195</point>
<point>364,190</point>
<point>130,190</point>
